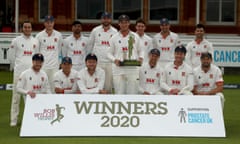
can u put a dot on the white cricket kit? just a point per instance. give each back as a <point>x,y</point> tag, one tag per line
<point>125,78</point>
<point>149,79</point>
<point>65,82</point>
<point>91,84</point>
<point>22,49</point>
<point>207,81</point>
<point>50,47</point>
<point>177,77</point>
<point>33,81</point>
<point>194,51</point>
<point>99,41</point>
<point>146,44</point>
<point>77,49</point>
<point>166,46</point>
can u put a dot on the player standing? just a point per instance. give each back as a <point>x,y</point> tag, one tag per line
<point>125,45</point>
<point>150,75</point>
<point>166,41</point>
<point>22,48</point>
<point>145,41</point>
<point>208,78</point>
<point>99,42</point>
<point>178,76</point>
<point>196,47</point>
<point>75,46</point>
<point>34,80</point>
<point>50,42</point>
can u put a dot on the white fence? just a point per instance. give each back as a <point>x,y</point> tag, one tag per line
<point>226,47</point>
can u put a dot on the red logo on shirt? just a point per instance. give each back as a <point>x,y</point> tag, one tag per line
<point>211,76</point>
<point>158,74</point>
<point>96,80</point>
<point>198,54</point>
<point>165,48</point>
<point>146,43</point>
<point>149,80</point>
<point>183,73</point>
<point>176,82</point>
<point>83,44</point>
<point>55,39</point>
<point>205,84</point>
<point>27,52</point>
<point>205,46</point>
<point>77,52</point>
<point>105,43</point>
<point>34,46</point>
<point>171,40</point>
<point>36,87</point>
<point>50,47</point>
<point>124,49</point>
<point>42,78</point>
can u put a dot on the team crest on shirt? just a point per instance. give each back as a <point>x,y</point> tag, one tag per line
<point>83,44</point>
<point>211,76</point>
<point>55,39</point>
<point>111,35</point>
<point>205,46</point>
<point>171,40</point>
<point>183,73</point>
<point>158,74</point>
<point>34,46</point>
<point>72,80</point>
<point>42,78</point>
<point>96,80</point>
<point>146,43</point>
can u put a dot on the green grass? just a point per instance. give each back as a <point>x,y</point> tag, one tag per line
<point>10,135</point>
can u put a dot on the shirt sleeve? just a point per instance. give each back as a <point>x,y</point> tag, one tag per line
<point>21,83</point>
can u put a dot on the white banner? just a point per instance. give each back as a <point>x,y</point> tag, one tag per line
<point>123,115</point>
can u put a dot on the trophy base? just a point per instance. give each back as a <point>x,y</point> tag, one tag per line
<point>130,63</point>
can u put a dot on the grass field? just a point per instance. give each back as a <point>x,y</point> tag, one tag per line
<point>10,135</point>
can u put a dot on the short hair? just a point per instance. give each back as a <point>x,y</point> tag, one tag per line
<point>76,22</point>
<point>200,26</point>
<point>91,56</point>
<point>140,20</point>
<point>206,54</point>
<point>26,21</point>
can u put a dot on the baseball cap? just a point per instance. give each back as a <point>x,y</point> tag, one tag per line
<point>123,17</point>
<point>206,54</point>
<point>155,51</point>
<point>106,15</point>
<point>181,49</point>
<point>48,18</point>
<point>67,60</point>
<point>38,57</point>
<point>76,22</point>
<point>91,56</point>
<point>164,21</point>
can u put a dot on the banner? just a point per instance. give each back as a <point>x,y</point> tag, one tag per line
<point>227,56</point>
<point>122,115</point>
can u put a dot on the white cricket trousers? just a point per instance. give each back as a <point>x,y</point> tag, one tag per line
<point>50,73</point>
<point>107,67</point>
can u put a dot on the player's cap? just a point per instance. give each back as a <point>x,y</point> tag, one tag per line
<point>181,48</point>
<point>38,57</point>
<point>206,54</point>
<point>164,21</point>
<point>91,56</point>
<point>66,60</point>
<point>106,15</point>
<point>49,18</point>
<point>123,17</point>
<point>76,22</point>
<point>155,51</point>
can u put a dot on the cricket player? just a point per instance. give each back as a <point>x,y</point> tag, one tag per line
<point>196,47</point>
<point>166,41</point>
<point>150,75</point>
<point>50,43</point>
<point>145,41</point>
<point>76,46</point>
<point>91,78</point>
<point>65,78</point>
<point>208,78</point>
<point>124,45</point>
<point>178,76</point>
<point>34,80</point>
<point>99,42</point>
<point>22,49</point>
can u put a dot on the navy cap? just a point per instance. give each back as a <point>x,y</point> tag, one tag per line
<point>76,22</point>
<point>206,54</point>
<point>155,51</point>
<point>106,15</point>
<point>123,17</point>
<point>38,57</point>
<point>67,60</point>
<point>91,56</point>
<point>48,18</point>
<point>164,21</point>
<point>181,49</point>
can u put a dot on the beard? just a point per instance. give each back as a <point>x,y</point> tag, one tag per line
<point>105,24</point>
<point>205,65</point>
